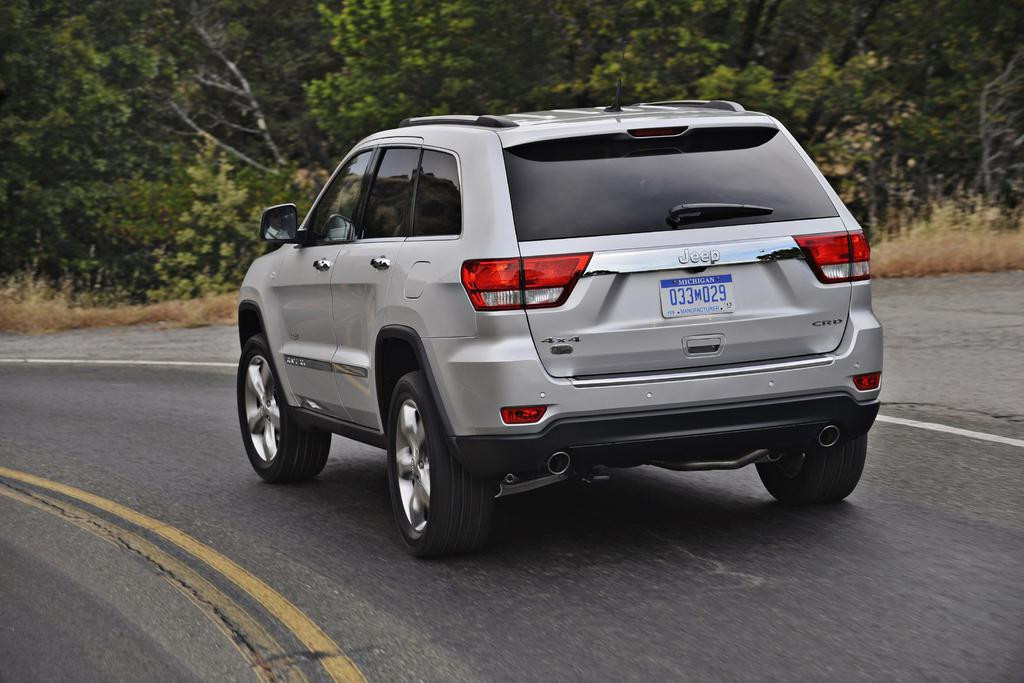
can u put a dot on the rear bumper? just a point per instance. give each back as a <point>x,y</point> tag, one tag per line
<point>674,435</point>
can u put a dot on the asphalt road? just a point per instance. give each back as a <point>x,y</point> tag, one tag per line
<point>651,575</point>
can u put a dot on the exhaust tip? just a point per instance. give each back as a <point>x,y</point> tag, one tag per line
<point>828,436</point>
<point>559,462</point>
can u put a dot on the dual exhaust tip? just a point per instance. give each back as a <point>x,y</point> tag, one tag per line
<point>829,436</point>
<point>558,462</point>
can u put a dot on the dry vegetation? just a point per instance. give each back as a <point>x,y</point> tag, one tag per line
<point>955,235</point>
<point>30,306</point>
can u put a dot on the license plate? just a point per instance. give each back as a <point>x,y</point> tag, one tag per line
<point>698,295</point>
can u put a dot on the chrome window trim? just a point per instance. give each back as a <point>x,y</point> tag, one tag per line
<point>681,375</point>
<point>667,258</point>
<point>375,240</point>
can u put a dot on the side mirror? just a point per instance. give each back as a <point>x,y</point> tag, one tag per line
<point>339,228</point>
<point>280,224</point>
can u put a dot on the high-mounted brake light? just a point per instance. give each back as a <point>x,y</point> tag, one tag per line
<point>656,132</point>
<point>837,256</point>
<point>530,282</point>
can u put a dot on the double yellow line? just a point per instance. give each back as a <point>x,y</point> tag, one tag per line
<point>330,656</point>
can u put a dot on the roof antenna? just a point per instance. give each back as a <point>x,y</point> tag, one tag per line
<point>616,106</point>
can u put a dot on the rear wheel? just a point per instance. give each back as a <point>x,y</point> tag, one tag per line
<point>819,475</point>
<point>278,449</point>
<point>440,509</point>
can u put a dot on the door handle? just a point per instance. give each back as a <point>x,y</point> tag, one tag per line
<point>322,264</point>
<point>381,263</point>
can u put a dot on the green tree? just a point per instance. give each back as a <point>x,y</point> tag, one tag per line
<point>404,58</point>
<point>72,120</point>
<point>214,240</point>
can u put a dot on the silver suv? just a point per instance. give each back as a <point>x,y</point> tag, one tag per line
<point>506,302</point>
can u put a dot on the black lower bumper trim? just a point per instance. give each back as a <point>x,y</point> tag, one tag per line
<point>680,435</point>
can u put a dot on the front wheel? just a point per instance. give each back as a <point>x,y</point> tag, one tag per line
<point>439,507</point>
<point>278,448</point>
<point>818,475</point>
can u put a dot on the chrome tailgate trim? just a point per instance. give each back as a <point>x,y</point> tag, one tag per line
<point>682,375</point>
<point>680,258</point>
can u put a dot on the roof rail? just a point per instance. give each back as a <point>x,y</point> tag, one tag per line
<point>724,105</point>
<point>459,120</point>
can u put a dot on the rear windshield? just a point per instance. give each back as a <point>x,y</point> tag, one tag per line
<point>617,184</point>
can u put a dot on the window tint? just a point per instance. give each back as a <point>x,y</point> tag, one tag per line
<point>336,213</point>
<point>618,184</point>
<point>438,199</point>
<point>390,201</point>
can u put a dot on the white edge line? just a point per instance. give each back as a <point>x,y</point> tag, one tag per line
<point>932,426</point>
<point>935,427</point>
<point>85,361</point>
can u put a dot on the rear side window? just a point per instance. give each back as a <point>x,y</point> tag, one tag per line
<point>617,184</point>
<point>390,201</point>
<point>438,196</point>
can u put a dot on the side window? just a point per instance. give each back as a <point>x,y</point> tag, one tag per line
<point>390,200</point>
<point>335,215</point>
<point>438,197</point>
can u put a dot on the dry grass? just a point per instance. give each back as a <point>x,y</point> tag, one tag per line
<point>955,235</point>
<point>941,253</point>
<point>30,307</point>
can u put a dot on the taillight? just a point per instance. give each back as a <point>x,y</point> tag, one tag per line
<point>531,282</point>
<point>519,415</point>
<point>838,256</point>
<point>494,284</point>
<point>867,381</point>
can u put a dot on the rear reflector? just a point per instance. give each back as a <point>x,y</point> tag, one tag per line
<point>519,415</point>
<point>867,381</point>
<point>531,282</point>
<point>837,256</point>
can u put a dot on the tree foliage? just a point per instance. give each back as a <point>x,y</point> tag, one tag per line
<point>142,137</point>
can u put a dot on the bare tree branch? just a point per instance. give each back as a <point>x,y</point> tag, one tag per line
<point>243,90</point>
<point>997,129</point>
<point>183,115</point>
<point>216,82</point>
<point>234,126</point>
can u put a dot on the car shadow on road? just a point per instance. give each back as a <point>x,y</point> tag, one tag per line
<point>642,512</point>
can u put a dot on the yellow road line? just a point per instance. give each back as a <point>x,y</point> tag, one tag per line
<point>337,665</point>
<point>263,653</point>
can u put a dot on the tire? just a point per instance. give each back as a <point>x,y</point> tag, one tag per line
<point>439,508</point>
<point>820,475</point>
<point>278,449</point>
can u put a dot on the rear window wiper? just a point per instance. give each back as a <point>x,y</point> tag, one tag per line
<point>692,213</point>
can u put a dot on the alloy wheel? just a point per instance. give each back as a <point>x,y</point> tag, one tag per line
<point>263,415</point>
<point>413,466</point>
